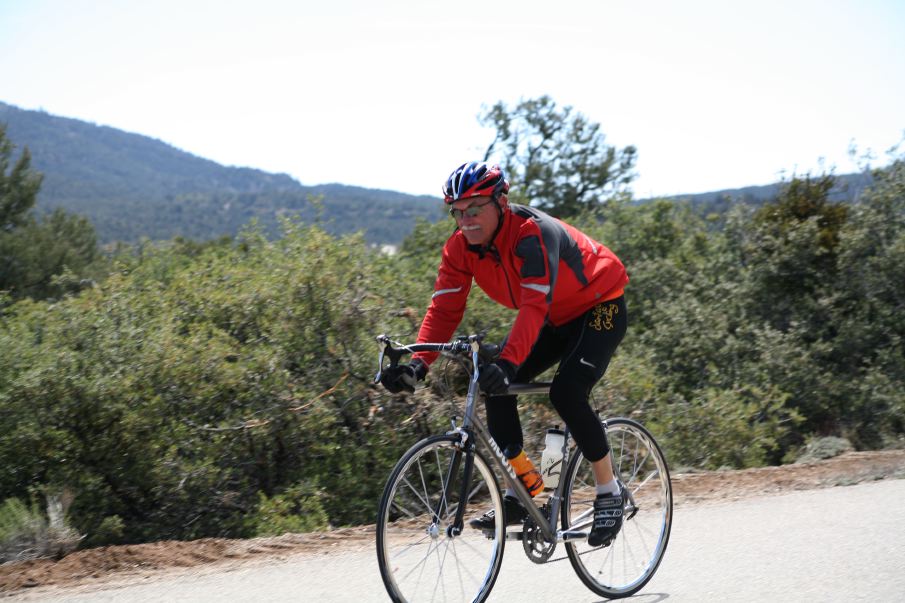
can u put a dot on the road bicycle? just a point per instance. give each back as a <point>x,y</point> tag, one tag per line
<point>425,550</point>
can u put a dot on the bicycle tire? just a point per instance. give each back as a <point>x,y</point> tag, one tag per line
<point>630,561</point>
<point>418,558</point>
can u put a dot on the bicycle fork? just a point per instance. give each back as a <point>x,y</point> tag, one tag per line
<point>465,448</point>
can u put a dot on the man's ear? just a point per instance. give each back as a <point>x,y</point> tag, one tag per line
<point>503,200</point>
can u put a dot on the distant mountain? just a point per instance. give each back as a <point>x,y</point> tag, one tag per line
<point>133,186</point>
<point>848,187</point>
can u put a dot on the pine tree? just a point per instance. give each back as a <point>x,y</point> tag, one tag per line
<point>18,188</point>
<point>556,158</point>
<point>39,257</point>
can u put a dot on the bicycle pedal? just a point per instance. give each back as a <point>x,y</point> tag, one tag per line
<point>515,535</point>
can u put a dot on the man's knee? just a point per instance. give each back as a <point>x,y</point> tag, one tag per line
<point>565,393</point>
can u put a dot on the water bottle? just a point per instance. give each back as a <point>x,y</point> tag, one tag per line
<point>551,459</point>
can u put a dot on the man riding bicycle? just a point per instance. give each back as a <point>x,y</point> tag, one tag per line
<point>568,290</point>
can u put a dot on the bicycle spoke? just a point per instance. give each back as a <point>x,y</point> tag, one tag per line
<point>440,563</point>
<point>426,498</point>
<point>409,547</point>
<point>637,466</point>
<point>654,473</point>
<point>404,510</point>
<point>642,540</point>
<point>458,570</point>
<point>460,567</point>
<point>621,447</point>
<point>420,564</point>
<point>584,520</point>
<point>635,460</point>
<point>608,557</point>
<point>444,501</point>
<point>418,496</point>
<point>453,509</point>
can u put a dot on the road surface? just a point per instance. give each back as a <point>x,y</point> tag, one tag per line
<point>837,544</point>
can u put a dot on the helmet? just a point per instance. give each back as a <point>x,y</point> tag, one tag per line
<point>475,179</point>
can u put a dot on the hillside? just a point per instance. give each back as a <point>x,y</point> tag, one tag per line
<point>132,186</point>
<point>848,188</point>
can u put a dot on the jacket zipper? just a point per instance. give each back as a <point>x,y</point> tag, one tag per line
<point>499,261</point>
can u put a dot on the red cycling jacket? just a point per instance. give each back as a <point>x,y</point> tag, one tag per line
<point>541,266</point>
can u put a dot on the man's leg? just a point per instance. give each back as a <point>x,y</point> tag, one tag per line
<point>504,424</point>
<point>595,336</point>
<point>502,411</point>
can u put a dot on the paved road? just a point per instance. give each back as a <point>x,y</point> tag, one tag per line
<point>840,544</point>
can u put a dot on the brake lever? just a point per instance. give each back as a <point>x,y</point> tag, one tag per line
<point>387,350</point>
<point>490,351</point>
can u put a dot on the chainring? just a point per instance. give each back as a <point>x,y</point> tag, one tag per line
<point>536,546</point>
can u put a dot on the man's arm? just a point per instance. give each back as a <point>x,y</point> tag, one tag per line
<point>536,292</point>
<point>447,304</point>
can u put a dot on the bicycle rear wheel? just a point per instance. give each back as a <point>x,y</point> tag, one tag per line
<point>628,563</point>
<point>419,558</point>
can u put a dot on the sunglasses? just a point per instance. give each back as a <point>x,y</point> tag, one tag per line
<point>471,211</point>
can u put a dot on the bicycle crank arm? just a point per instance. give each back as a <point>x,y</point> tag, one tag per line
<point>567,535</point>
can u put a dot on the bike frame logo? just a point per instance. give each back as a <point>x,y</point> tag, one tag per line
<point>502,457</point>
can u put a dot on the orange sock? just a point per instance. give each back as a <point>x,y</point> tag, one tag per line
<point>526,472</point>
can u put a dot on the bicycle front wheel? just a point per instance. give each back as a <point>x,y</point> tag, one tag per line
<point>629,562</point>
<point>420,557</point>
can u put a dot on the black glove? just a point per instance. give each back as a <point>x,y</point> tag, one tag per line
<point>403,376</point>
<point>496,377</point>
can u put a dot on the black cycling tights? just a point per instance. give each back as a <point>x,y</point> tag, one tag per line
<point>583,348</point>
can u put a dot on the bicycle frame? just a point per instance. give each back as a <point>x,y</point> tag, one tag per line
<point>419,524</point>
<point>472,428</point>
<point>476,428</point>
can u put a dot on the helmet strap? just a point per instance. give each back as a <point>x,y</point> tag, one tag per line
<point>500,214</point>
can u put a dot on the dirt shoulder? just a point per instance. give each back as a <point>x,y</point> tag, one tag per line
<point>102,564</point>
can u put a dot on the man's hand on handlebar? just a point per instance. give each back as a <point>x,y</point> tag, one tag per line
<point>403,376</point>
<point>496,377</point>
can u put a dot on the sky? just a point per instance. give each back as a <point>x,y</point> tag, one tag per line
<point>713,94</point>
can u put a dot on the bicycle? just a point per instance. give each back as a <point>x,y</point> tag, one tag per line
<point>424,549</point>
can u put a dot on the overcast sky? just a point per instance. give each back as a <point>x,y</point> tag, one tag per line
<point>714,94</point>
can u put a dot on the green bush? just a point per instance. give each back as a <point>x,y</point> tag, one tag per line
<point>200,385</point>
<point>110,530</point>
<point>295,510</point>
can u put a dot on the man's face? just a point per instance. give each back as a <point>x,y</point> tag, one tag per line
<point>478,229</point>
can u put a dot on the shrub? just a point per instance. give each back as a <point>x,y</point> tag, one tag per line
<point>25,533</point>
<point>824,448</point>
<point>295,510</point>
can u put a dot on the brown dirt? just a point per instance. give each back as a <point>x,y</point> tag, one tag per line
<point>140,561</point>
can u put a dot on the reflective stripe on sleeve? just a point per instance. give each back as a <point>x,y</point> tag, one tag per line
<point>545,289</point>
<point>443,291</point>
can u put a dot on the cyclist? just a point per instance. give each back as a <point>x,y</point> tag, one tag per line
<point>568,290</point>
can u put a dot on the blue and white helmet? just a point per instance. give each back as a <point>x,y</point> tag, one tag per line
<point>475,179</point>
